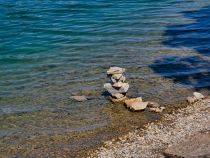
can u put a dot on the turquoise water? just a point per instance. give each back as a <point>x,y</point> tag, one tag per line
<point>51,50</point>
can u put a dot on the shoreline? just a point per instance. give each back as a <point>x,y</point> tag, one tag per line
<point>156,137</point>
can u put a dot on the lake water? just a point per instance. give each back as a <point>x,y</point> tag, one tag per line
<point>53,49</point>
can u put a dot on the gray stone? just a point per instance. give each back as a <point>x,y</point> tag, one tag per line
<point>195,146</point>
<point>118,84</point>
<point>79,98</point>
<point>153,104</point>
<point>115,70</point>
<point>124,88</point>
<point>112,90</point>
<point>198,96</point>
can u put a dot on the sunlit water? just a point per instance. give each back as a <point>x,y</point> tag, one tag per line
<point>53,49</point>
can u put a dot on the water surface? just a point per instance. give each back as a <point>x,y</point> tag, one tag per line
<point>51,50</point>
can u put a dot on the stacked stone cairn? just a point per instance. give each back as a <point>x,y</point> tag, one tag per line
<point>118,87</point>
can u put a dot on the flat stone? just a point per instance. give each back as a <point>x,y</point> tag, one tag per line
<point>198,96</point>
<point>116,76</point>
<point>129,102</point>
<point>112,90</point>
<point>157,110</point>
<point>79,98</point>
<point>195,146</point>
<point>119,100</point>
<point>115,70</point>
<point>117,95</point>
<point>153,104</point>
<point>118,84</point>
<point>138,106</point>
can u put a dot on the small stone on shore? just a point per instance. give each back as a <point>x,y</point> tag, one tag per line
<point>198,96</point>
<point>79,98</point>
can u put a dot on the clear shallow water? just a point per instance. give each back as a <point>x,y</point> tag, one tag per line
<point>50,50</point>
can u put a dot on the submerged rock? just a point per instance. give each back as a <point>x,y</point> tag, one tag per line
<point>79,98</point>
<point>115,70</point>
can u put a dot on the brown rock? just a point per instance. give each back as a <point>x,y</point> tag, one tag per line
<point>138,106</point>
<point>129,102</point>
<point>196,146</point>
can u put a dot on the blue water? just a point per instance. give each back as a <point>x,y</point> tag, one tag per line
<point>53,49</point>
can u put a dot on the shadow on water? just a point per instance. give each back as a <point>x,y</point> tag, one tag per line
<point>192,71</point>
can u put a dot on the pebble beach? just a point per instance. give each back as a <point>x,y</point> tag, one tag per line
<point>156,137</point>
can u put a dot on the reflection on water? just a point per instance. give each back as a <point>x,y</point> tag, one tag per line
<point>50,50</point>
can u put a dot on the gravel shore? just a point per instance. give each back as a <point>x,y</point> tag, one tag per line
<point>156,137</point>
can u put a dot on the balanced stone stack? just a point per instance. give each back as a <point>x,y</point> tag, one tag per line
<point>118,87</point>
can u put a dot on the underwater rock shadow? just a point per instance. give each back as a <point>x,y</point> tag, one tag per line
<point>191,71</point>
